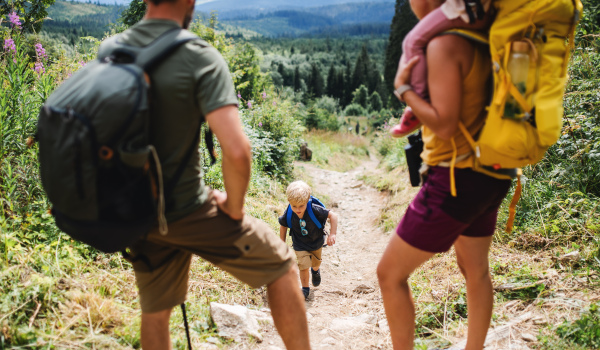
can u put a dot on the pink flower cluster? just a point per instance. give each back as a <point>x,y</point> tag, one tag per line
<point>39,67</point>
<point>40,51</point>
<point>14,20</point>
<point>9,45</point>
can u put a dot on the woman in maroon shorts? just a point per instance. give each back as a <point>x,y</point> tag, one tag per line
<point>436,220</point>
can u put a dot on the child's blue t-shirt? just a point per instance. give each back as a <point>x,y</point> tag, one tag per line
<point>314,239</point>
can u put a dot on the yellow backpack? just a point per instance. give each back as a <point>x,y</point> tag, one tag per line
<point>505,144</point>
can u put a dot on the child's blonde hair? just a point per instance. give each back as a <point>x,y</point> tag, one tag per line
<point>298,193</point>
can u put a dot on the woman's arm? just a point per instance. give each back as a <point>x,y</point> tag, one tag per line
<point>446,57</point>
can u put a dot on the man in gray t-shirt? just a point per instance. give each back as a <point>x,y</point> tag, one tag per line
<point>191,85</point>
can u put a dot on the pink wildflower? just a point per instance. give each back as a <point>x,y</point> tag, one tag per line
<point>9,45</point>
<point>82,63</point>
<point>274,103</point>
<point>39,68</point>
<point>249,104</point>
<point>239,95</point>
<point>264,95</point>
<point>14,20</point>
<point>40,51</point>
<point>260,124</point>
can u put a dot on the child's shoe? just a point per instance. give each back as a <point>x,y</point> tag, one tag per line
<point>306,292</point>
<point>408,123</point>
<point>316,277</point>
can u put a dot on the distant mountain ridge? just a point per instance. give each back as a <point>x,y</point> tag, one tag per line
<point>348,18</point>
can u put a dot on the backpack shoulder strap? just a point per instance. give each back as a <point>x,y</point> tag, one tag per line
<point>147,57</point>
<point>312,214</point>
<point>288,216</point>
<point>476,36</point>
<point>162,47</point>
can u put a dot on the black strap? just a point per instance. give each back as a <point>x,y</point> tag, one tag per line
<point>187,328</point>
<point>474,10</point>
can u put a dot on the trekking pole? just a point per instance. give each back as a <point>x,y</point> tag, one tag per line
<point>187,328</point>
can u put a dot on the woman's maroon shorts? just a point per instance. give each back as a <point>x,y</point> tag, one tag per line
<point>435,219</point>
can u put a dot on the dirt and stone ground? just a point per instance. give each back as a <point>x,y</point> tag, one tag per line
<point>346,310</point>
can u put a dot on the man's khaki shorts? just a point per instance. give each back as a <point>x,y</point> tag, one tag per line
<point>248,249</point>
<point>308,259</point>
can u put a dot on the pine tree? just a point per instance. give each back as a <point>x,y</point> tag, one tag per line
<point>404,20</point>
<point>315,81</point>
<point>297,85</point>
<point>331,81</point>
<point>361,69</point>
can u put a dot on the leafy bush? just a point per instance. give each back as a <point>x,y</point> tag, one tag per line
<point>585,331</point>
<point>354,110</point>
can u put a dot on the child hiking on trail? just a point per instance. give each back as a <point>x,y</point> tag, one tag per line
<point>452,14</point>
<point>306,217</point>
<point>436,220</point>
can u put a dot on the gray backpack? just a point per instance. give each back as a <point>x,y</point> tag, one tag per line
<point>97,167</point>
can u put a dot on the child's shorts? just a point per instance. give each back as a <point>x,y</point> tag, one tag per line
<point>435,219</point>
<point>308,259</point>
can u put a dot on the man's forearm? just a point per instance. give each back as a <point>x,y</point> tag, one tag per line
<point>236,177</point>
<point>282,232</point>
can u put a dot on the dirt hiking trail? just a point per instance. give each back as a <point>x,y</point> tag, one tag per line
<point>344,312</point>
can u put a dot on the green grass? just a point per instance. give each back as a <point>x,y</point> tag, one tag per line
<point>337,151</point>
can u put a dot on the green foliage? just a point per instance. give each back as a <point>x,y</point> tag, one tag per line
<point>31,13</point>
<point>585,331</point>
<point>404,20</point>
<point>355,110</point>
<point>133,13</point>
<point>375,103</point>
<point>561,192</point>
<point>320,118</point>
<point>361,96</point>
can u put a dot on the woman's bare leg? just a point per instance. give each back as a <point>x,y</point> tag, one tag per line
<point>472,257</point>
<point>399,260</point>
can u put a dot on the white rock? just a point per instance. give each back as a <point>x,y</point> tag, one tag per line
<point>344,324</point>
<point>261,317</point>
<point>383,325</point>
<point>323,331</point>
<point>234,322</point>
<point>213,340</point>
<point>330,341</point>
<point>528,337</point>
<point>572,256</point>
<point>360,302</point>
<point>205,346</point>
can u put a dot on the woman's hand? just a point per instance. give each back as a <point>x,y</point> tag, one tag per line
<point>404,71</point>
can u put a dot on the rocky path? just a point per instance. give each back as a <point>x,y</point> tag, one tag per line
<point>346,310</point>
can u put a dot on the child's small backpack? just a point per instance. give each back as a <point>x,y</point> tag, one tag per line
<point>314,219</point>
<point>505,144</point>
<point>97,167</point>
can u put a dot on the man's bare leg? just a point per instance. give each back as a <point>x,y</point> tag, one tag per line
<point>155,330</point>
<point>288,310</point>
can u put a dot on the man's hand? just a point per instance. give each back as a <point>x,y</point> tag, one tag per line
<point>331,239</point>
<point>226,206</point>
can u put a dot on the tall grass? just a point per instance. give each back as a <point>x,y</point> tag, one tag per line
<point>337,151</point>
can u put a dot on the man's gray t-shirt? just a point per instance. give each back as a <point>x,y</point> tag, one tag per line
<point>314,239</point>
<point>191,83</point>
